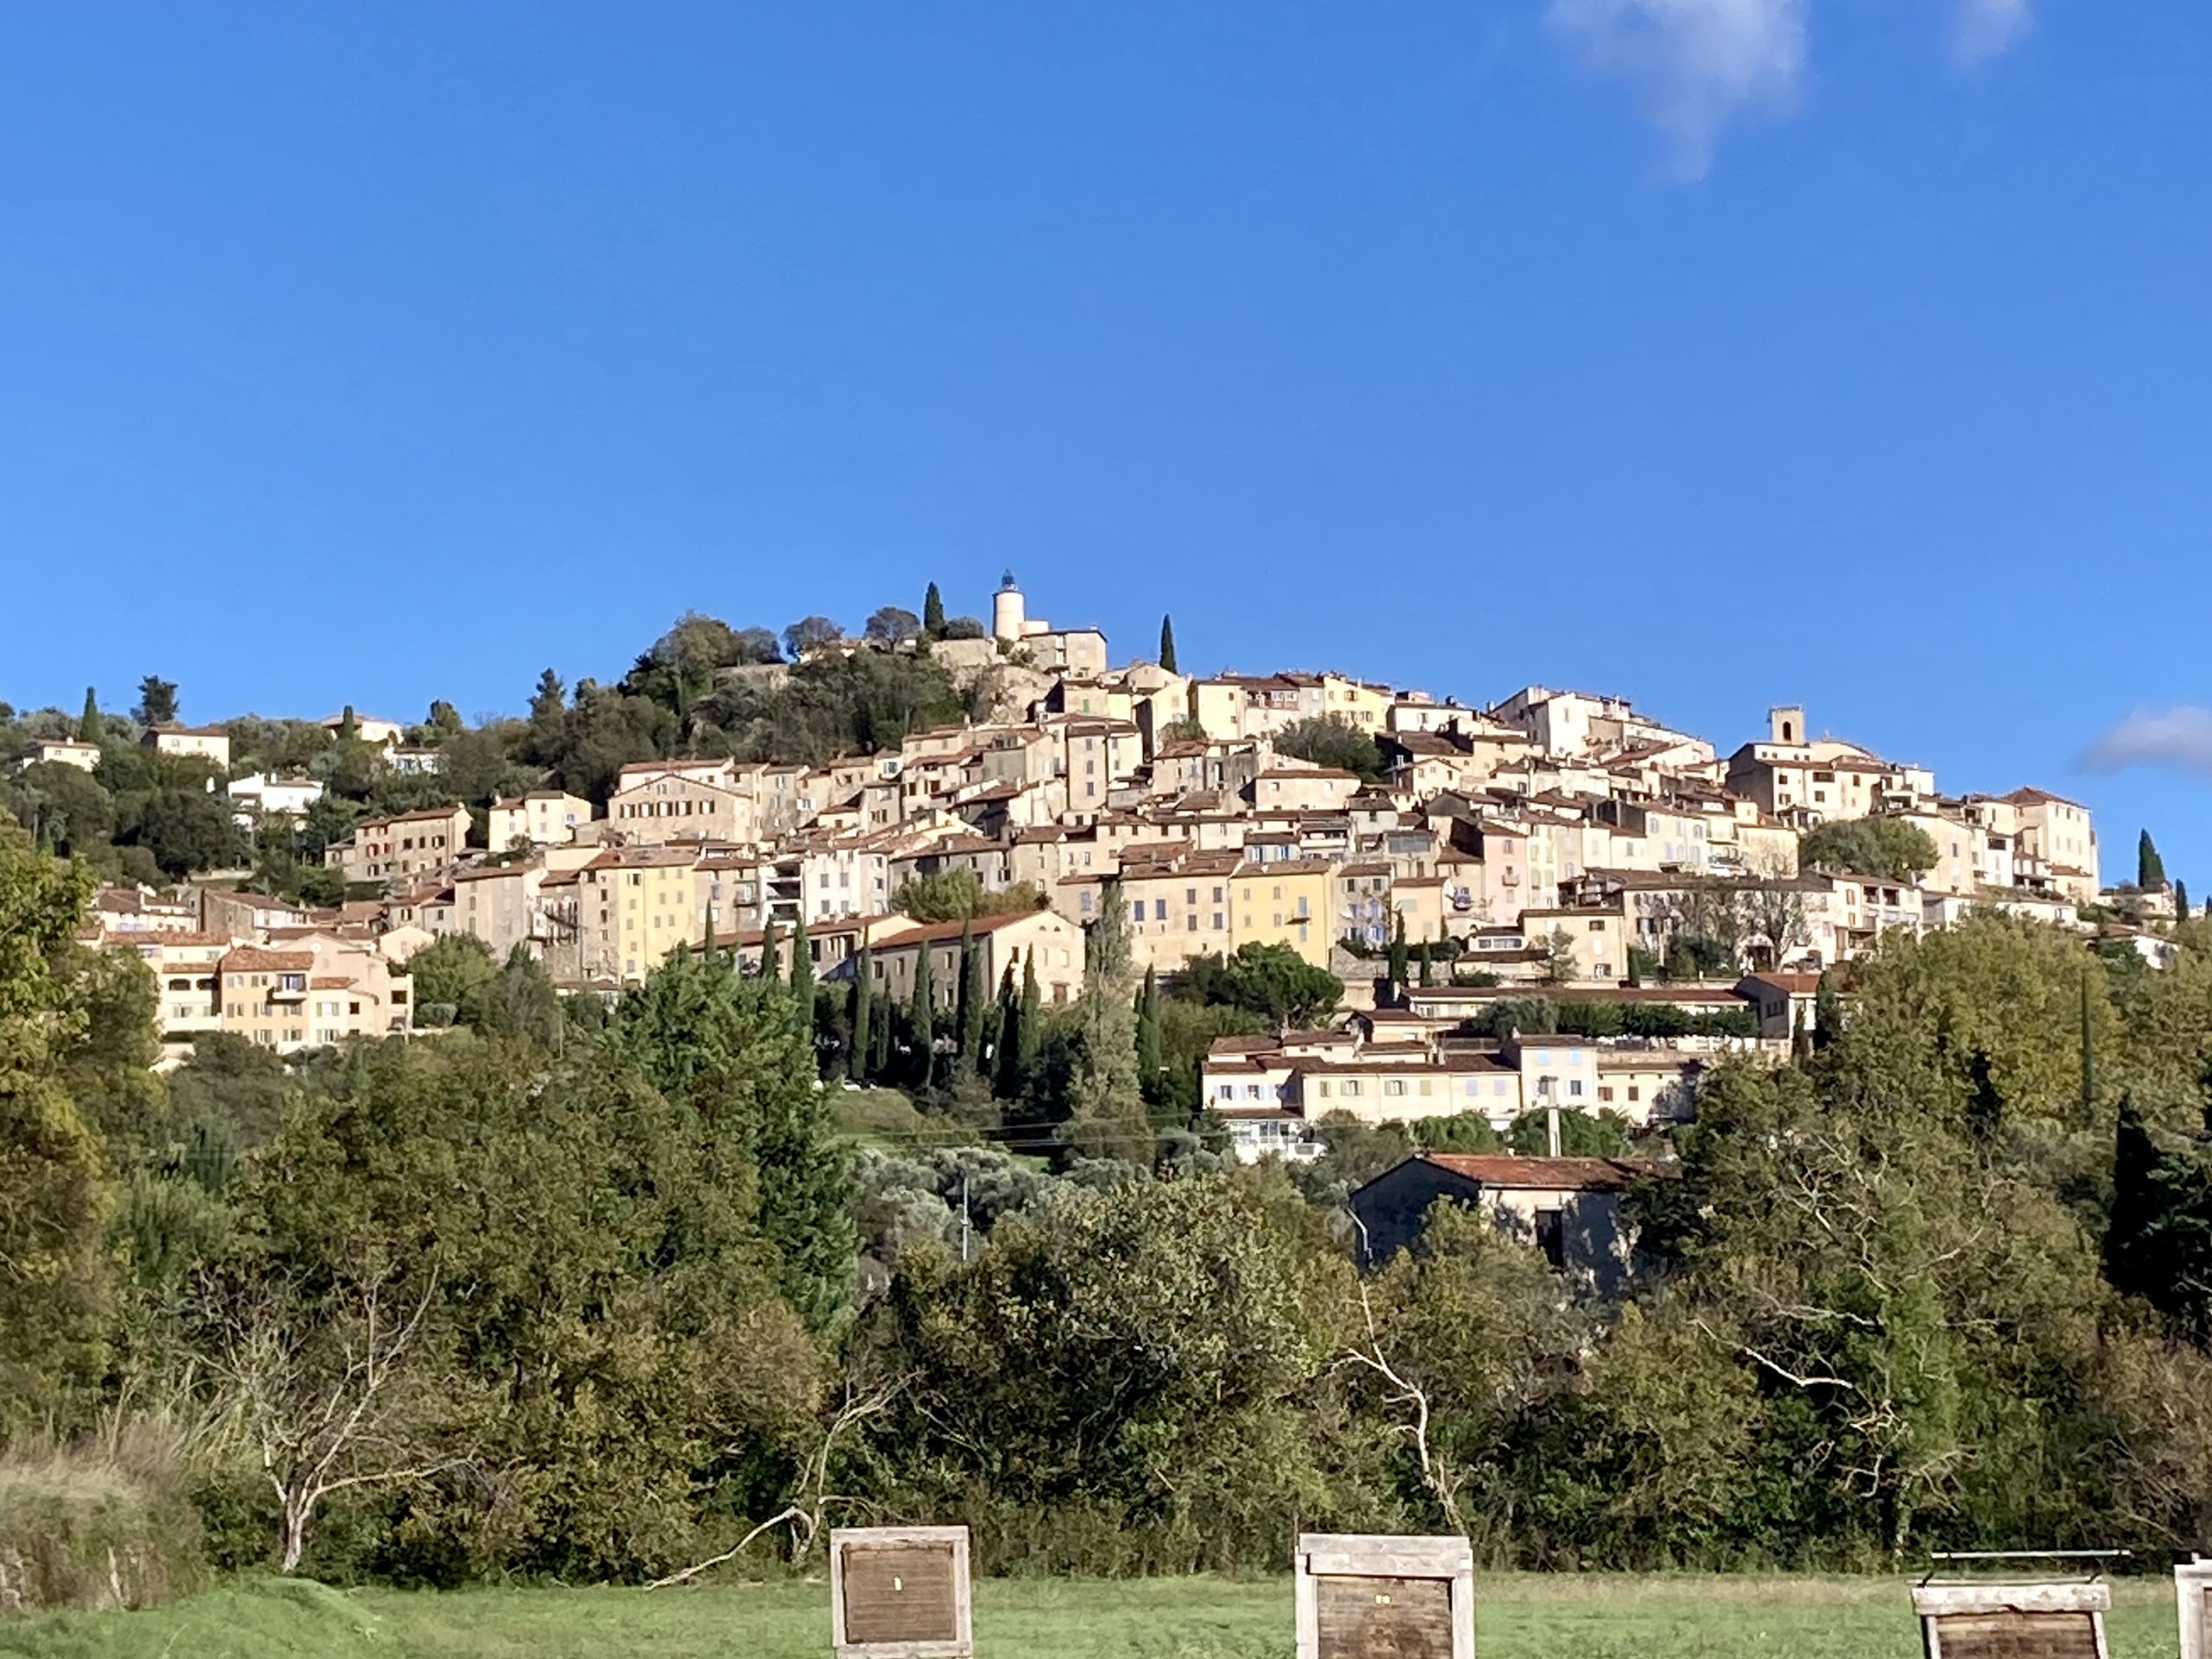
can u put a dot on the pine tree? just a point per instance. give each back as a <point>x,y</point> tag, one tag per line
<point>922,1017</point>
<point>933,614</point>
<point>1005,1082</point>
<point>156,700</point>
<point>1167,645</point>
<point>771,956</point>
<point>90,727</point>
<point>2150,869</point>
<point>1148,1044</point>
<point>859,1062</point>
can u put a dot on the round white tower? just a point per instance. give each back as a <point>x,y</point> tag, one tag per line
<point>1009,615</point>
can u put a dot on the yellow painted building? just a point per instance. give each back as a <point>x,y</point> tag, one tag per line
<point>635,905</point>
<point>1286,902</point>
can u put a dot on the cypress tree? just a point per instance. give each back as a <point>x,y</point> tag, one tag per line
<point>1167,644</point>
<point>933,614</point>
<point>879,1065</point>
<point>860,1063</point>
<point>923,1017</point>
<point>2134,1203</point>
<point>802,965</point>
<point>2088,1058</point>
<point>90,727</point>
<point>1398,957</point>
<point>969,1020</point>
<point>771,960</point>
<point>1029,1028</point>
<point>1148,1045</point>
<point>1006,1081</point>
<point>2150,869</point>
<point>1827,1014</point>
<point>803,980</point>
<point>2181,901</point>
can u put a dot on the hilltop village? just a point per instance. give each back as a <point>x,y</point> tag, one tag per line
<point>1667,897</point>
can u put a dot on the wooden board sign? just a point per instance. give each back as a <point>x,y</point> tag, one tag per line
<point>1379,1597</point>
<point>2013,1621</point>
<point>2193,1601</point>
<point>899,1592</point>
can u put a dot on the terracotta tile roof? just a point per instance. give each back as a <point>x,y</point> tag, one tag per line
<point>937,932</point>
<point>248,959</point>
<point>1514,1173</point>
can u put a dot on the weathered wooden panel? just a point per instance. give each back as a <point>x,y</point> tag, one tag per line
<point>2013,1621</point>
<point>899,1592</point>
<point>2193,1601</point>
<point>2017,1636</point>
<point>1385,1598</point>
<point>1383,1619</point>
<point>905,1593</point>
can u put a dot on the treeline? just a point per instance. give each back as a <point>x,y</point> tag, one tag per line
<point>588,1293</point>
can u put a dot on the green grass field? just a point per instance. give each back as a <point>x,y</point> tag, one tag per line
<point>1518,1617</point>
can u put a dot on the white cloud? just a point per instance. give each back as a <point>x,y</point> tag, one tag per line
<point>1696,63</point>
<point>1982,28</point>
<point>2178,739</point>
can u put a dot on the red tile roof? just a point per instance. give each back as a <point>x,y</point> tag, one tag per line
<point>1513,1172</point>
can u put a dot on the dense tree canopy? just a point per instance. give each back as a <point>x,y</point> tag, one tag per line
<point>1876,846</point>
<point>1331,740</point>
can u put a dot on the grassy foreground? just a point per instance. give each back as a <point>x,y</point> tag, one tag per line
<point>1518,1617</point>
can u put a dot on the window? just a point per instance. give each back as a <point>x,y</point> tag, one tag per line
<point>1597,927</point>
<point>1136,910</point>
<point>1394,1087</point>
<point>1634,1093</point>
<point>1351,1087</point>
<point>1159,910</point>
<point>1225,1091</point>
<point>1574,1088</point>
<point>1604,1093</point>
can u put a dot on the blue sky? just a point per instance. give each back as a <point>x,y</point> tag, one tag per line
<point>1717,352</point>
